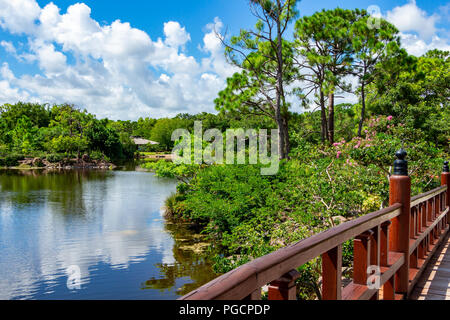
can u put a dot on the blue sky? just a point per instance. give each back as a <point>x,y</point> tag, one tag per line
<point>160,58</point>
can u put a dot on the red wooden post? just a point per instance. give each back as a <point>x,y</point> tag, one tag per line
<point>419,219</point>
<point>423,208</point>
<point>400,192</point>
<point>284,288</point>
<point>428,247</point>
<point>375,251</point>
<point>361,257</point>
<point>384,243</point>
<point>436,207</point>
<point>412,225</point>
<point>430,211</point>
<point>389,289</point>
<point>433,236</point>
<point>332,274</point>
<point>421,251</point>
<point>445,180</point>
<point>413,259</point>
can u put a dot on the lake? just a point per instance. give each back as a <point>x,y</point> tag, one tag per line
<point>93,235</point>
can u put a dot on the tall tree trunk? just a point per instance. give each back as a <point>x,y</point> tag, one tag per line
<point>287,144</point>
<point>363,109</point>
<point>331,118</point>
<point>280,92</point>
<point>281,138</point>
<point>323,116</point>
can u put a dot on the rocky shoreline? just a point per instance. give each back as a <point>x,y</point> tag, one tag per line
<point>83,163</point>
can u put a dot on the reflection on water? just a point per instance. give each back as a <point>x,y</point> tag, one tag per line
<point>108,223</point>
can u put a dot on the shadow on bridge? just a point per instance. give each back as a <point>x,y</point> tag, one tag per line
<point>434,283</point>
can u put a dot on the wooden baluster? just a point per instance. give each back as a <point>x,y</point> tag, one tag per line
<point>416,221</point>
<point>389,286</point>
<point>375,247</point>
<point>434,236</point>
<point>436,207</point>
<point>438,213</point>
<point>419,219</point>
<point>361,257</point>
<point>421,249</point>
<point>412,225</point>
<point>375,252</point>
<point>284,288</point>
<point>429,211</point>
<point>384,244</point>
<point>433,214</point>
<point>389,289</point>
<point>439,205</point>
<point>400,192</point>
<point>424,217</point>
<point>332,274</point>
<point>413,262</point>
<point>445,180</point>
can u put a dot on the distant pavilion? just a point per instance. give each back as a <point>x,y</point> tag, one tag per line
<point>142,142</point>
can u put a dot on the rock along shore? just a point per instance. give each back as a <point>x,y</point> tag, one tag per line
<point>83,163</point>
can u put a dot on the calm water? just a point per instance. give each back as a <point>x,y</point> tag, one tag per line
<point>108,224</point>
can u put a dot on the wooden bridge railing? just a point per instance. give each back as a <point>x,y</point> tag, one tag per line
<point>396,243</point>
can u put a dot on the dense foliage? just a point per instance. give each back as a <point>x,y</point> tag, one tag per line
<point>57,132</point>
<point>340,157</point>
<point>246,215</point>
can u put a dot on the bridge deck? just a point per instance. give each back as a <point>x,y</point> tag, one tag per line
<point>434,283</point>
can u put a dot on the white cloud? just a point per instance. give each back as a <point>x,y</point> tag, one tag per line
<point>6,73</point>
<point>50,60</point>
<point>8,46</point>
<point>7,92</point>
<point>410,17</point>
<point>418,29</point>
<point>213,46</point>
<point>115,70</point>
<point>211,41</point>
<point>416,46</point>
<point>18,16</point>
<point>176,36</point>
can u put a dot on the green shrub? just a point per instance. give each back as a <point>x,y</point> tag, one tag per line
<point>169,206</point>
<point>12,160</point>
<point>55,157</point>
<point>96,155</point>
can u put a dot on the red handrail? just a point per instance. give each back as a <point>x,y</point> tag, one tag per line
<point>398,240</point>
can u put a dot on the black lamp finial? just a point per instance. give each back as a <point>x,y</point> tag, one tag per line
<point>401,165</point>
